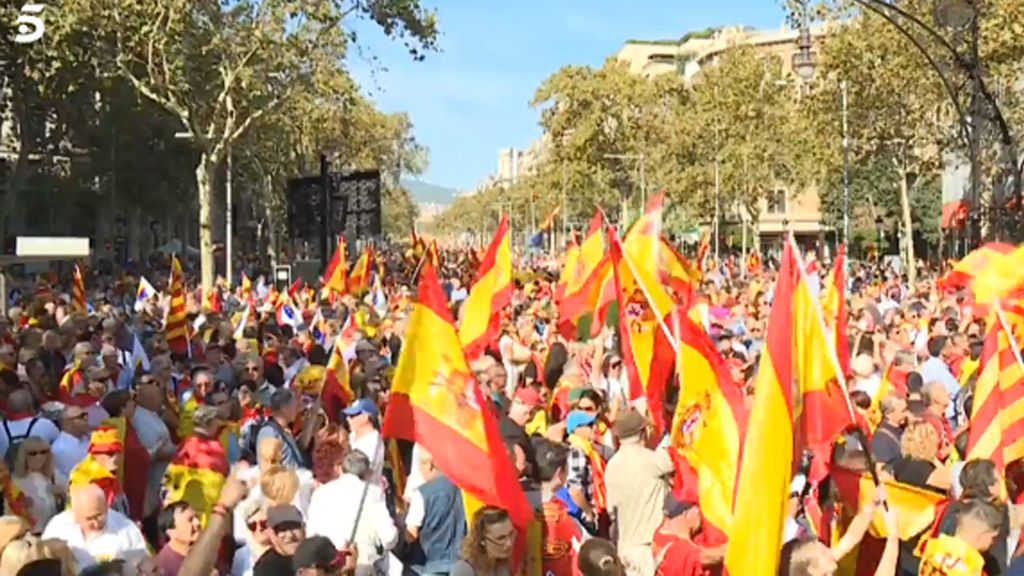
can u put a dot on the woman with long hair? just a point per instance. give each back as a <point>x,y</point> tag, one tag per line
<point>487,550</point>
<point>36,476</point>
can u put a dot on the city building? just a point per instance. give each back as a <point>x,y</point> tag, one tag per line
<point>784,209</point>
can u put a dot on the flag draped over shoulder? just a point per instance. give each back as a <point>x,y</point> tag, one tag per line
<point>997,418</point>
<point>766,469</point>
<point>177,321</point>
<point>196,474</point>
<point>335,279</point>
<point>78,301</point>
<point>490,294</point>
<point>436,403</point>
<point>710,421</point>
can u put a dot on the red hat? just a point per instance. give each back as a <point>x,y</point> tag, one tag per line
<point>528,396</point>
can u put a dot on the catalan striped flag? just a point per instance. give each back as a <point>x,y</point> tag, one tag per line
<point>489,296</point>
<point>768,452</point>
<point>78,301</point>
<point>359,278</point>
<point>643,307</point>
<point>997,419</point>
<point>335,279</point>
<point>710,422</point>
<point>177,321</point>
<point>436,403</point>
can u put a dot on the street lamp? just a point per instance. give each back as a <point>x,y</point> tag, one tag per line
<point>956,15</point>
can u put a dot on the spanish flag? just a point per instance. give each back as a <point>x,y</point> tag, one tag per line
<point>336,392</point>
<point>643,307</point>
<point>335,278</point>
<point>196,474</point>
<point>490,295</point>
<point>710,421</point>
<point>549,222</point>
<point>16,502</point>
<point>177,322</point>
<point>1001,277</point>
<point>834,307</point>
<point>247,291</point>
<point>434,255</point>
<point>436,403</point>
<point>759,511</point>
<point>963,272</point>
<point>997,418</point>
<point>581,276</point>
<point>677,274</point>
<point>134,470</point>
<point>78,303</point>
<point>359,279</point>
<point>105,440</point>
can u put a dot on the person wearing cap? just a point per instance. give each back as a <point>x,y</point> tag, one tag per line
<point>674,551</point>
<point>317,556</point>
<point>335,507</point>
<point>363,423</point>
<point>284,409</point>
<point>638,479</point>
<point>287,531</point>
<point>562,533</point>
<point>586,477</point>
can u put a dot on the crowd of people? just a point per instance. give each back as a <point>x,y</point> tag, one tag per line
<point>124,456</point>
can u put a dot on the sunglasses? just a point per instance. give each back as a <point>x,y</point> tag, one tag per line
<point>257,525</point>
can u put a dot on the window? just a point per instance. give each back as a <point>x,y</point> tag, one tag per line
<point>777,202</point>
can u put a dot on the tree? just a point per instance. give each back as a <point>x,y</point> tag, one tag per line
<point>219,68</point>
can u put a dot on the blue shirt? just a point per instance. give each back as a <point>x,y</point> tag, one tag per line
<point>292,455</point>
<point>936,370</point>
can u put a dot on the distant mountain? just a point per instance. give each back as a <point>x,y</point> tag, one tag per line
<point>424,192</point>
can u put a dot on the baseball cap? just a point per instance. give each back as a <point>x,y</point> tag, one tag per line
<point>362,406</point>
<point>675,507</point>
<point>528,396</point>
<point>283,514</point>
<point>578,418</point>
<point>315,552</point>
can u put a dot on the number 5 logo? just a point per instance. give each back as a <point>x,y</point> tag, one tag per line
<point>30,25</point>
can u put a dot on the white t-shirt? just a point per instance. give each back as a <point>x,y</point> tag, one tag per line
<point>371,445</point>
<point>40,490</point>
<point>69,451</point>
<point>121,539</point>
<point>42,428</point>
<point>333,511</point>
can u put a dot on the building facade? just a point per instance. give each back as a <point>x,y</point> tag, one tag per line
<point>784,209</point>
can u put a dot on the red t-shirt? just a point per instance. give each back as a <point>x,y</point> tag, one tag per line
<point>563,536</point>
<point>678,556</point>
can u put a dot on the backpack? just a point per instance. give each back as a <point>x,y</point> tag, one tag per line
<point>15,442</point>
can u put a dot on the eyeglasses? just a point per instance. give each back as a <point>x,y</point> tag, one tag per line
<point>256,525</point>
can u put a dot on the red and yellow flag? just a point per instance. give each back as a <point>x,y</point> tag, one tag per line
<point>759,512</point>
<point>834,307</point>
<point>490,295</point>
<point>643,307</point>
<point>196,474</point>
<point>916,507</point>
<point>581,277</point>
<point>710,421</point>
<point>963,272</point>
<point>677,274</point>
<point>572,257</point>
<point>436,403</point>
<point>335,277</point>
<point>434,255</point>
<point>997,419</point>
<point>704,251</point>
<point>177,321</point>
<point>359,279</point>
<point>78,303</point>
<point>134,470</point>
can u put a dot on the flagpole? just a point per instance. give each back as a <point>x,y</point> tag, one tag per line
<point>1009,335</point>
<point>820,317</point>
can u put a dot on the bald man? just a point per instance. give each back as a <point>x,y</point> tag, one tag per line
<point>95,533</point>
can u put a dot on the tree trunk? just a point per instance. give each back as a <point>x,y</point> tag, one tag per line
<point>908,229</point>
<point>204,183</point>
<point>270,224</point>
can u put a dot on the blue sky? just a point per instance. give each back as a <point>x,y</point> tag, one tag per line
<point>472,98</point>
